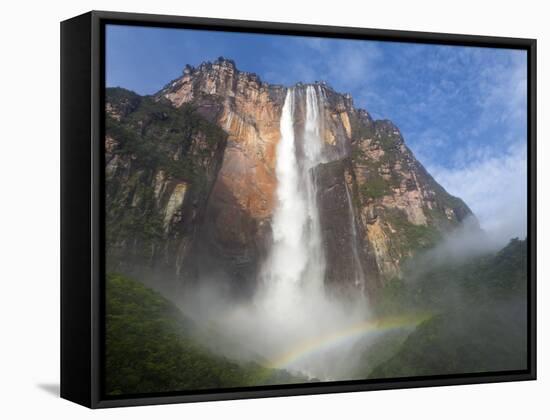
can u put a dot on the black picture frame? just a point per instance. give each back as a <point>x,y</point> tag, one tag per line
<point>82,205</point>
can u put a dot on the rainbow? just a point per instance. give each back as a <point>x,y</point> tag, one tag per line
<point>317,344</point>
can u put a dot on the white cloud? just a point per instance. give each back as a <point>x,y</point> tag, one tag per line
<point>485,162</point>
<point>503,94</point>
<point>495,188</point>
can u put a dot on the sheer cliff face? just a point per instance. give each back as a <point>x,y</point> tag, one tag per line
<point>160,164</point>
<point>208,196</point>
<point>236,229</point>
<point>403,210</point>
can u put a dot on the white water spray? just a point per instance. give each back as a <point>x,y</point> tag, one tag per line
<point>297,260</point>
<point>293,303</point>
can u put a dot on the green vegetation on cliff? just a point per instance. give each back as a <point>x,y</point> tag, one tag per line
<point>159,136</point>
<point>410,238</point>
<point>150,348</point>
<point>375,187</point>
<point>390,178</point>
<point>151,148</point>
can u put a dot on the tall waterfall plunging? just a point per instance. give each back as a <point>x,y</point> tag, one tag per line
<point>291,314</point>
<point>292,304</point>
<point>313,156</point>
<point>297,261</point>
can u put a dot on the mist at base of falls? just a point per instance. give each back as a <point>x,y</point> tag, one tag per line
<point>291,323</point>
<point>297,336</point>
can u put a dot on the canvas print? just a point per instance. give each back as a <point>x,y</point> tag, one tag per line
<point>288,209</point>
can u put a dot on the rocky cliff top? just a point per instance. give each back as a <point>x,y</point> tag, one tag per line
<point>222,77</point>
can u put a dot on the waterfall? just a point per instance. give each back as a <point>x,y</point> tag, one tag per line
<point>291,308</point>
<point>288,255</point>
<point>297,260</point>
<point>313,156</point>
<point>357,266</point>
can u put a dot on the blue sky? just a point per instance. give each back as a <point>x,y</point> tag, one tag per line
<point>462,110</point>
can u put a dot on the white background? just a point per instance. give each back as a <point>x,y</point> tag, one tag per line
<point>29,219</point>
